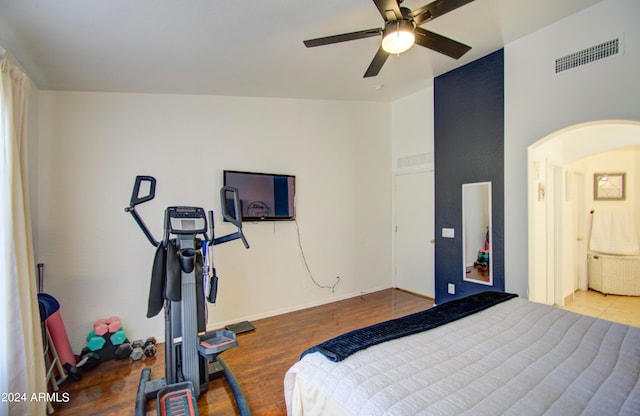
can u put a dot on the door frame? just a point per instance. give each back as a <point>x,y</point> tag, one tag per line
<point>431,239</point>
<point>561,148</point>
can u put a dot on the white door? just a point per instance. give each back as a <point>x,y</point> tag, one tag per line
<point>581,237</point>
<point>558,236</point>
<point>554,232</point>
<point>414,232</point>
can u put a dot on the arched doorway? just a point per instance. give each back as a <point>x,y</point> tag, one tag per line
<point>548,196</point>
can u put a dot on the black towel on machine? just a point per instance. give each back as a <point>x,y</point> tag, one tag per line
<point>173,278</point>
<point>156,289</point>
<point>165,278</point>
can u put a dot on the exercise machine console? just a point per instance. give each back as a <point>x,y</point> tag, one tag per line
<point>183,277</point>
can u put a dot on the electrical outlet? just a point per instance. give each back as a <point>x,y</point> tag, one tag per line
<point>451,288</point>
<point>448,233</point>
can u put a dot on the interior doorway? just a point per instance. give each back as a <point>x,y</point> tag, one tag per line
<point>555,246</point>
<point>414,233</point>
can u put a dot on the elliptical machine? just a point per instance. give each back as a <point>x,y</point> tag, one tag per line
<point>183,272</point>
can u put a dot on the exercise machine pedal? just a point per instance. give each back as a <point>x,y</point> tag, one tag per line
<point>177,400</point>
<point>213,343</point>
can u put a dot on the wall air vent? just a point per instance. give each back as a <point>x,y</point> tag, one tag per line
<point>604,50</point>
<point>415,162</point>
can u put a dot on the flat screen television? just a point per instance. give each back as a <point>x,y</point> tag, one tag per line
<point>263,196</point>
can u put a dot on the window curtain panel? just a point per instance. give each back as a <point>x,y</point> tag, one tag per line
<point>22,368</point>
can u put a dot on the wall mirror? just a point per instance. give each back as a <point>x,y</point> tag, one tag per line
<point>476,233</point>
<point>608,186</point>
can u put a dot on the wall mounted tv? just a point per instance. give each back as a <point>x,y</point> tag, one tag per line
<point>263,196</point>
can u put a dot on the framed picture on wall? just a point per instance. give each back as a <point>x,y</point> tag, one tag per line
<point>609,186</point>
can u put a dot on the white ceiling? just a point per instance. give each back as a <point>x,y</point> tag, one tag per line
<point>246,48</point>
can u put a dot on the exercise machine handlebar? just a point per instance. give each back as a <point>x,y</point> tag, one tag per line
<point>136,199</point>
<point>235,219</point>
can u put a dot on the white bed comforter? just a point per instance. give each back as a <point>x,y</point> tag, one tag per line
<point>516,358</point>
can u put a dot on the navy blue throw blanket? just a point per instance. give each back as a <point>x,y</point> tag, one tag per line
<point>342,346</point>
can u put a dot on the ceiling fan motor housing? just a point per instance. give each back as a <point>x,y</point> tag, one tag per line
<point>398,36</point>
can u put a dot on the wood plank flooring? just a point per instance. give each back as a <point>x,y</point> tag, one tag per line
<point>259,362</point>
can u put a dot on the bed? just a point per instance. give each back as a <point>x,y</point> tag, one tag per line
<point>512,357</point>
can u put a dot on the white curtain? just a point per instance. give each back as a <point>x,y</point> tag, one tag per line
<point>21,355</point>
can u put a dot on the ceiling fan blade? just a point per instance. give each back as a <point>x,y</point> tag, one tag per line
<point>436,9</point>
<point>361,34</point>
<point>439,43</point>
<point>389,9</point>
<point>376,65</point>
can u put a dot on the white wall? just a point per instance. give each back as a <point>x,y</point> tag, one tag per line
<point>538,102</point>
<point>412,126</point>
<point>413,138</point>
<point>623,160</point>
<point>98,263</point>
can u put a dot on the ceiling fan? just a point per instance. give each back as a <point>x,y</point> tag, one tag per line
<point>401,30</point>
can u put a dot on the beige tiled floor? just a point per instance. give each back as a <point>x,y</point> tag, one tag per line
<point>623,309</point>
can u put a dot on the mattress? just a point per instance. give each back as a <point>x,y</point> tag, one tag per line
<point>515,358</point>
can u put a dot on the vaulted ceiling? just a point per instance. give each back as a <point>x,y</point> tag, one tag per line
<point>247,48</point>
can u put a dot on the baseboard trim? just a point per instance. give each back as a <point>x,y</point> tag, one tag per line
<point>416,294</point>
<point>569,298</point>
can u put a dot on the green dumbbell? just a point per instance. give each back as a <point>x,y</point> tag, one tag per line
<point>118,337</point>
<point>96,343</point>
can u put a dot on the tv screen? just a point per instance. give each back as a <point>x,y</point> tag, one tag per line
<point>263,196</point>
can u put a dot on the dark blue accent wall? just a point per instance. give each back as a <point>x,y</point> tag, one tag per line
<point>468,147</point>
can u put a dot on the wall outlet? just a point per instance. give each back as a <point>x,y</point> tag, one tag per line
<point>448,233</point>
<point>451,288</point>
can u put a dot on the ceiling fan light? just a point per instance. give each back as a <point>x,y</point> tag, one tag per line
<point>398,37</point>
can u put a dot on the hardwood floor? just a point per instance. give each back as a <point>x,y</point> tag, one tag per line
<point>259,362</point>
